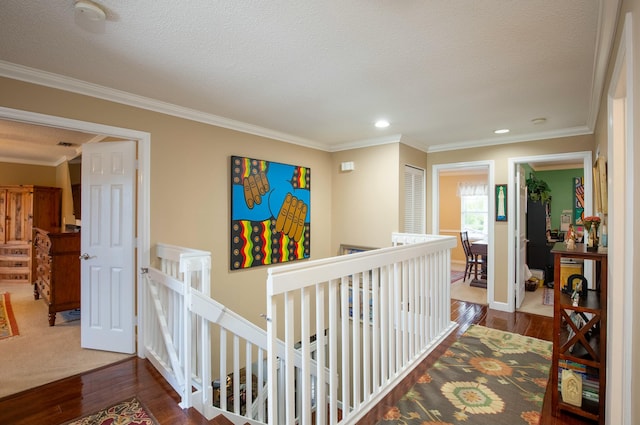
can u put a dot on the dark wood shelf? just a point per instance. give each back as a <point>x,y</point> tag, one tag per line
<point>586,344</point>
<point>588,304</point>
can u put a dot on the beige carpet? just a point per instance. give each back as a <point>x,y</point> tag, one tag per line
<point>461,290</point>
<point>532,303</point>
<point>42,354</point>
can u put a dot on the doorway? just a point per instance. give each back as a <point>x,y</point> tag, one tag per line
<point>481,171</point>
<point>514,235</point>
<point>141,250</point>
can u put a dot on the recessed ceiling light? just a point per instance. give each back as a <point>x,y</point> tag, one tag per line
<point>382,123</point>
<point>540,120</point>
<point>502,131</point>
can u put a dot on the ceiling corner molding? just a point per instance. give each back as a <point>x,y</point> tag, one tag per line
<point>55,81</point>
<point>377,141</point>
<point>565,132</point>
<point>23,162</point>
<point>605,40</point>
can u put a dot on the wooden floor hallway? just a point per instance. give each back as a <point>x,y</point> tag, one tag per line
<point>67,399</point>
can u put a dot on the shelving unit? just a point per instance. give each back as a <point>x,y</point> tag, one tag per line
<point>580,336</point>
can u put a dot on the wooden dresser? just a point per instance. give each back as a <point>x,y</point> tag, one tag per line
<point>57,270</point>
<point>21,209</point>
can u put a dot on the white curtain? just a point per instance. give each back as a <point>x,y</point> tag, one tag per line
<point>473,189</point>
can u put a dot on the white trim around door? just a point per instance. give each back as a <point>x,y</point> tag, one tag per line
<point>586,158</point>
<point>487,166</point>
<point>143,140</point>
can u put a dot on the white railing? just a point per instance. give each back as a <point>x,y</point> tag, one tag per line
<point>383,311</point>
<point>220,363</point>
<point>180,320</point>
<point>165,313</point>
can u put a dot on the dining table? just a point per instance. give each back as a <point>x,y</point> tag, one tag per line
<point>479,248</point>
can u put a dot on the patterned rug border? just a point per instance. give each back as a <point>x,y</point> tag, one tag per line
<point>457,275</point>
<point>547,296</point>
<point>8,323</point>
<point>140,416</point>
<point>446,395</point>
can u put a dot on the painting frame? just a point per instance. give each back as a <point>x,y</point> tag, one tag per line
<point>501,203</point>
<point>270,212</point>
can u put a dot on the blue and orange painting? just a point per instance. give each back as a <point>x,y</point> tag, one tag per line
<point>270,210</point>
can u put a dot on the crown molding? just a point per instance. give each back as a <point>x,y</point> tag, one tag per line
<point>56,81</point>
<point>605,38</point>
<point>365,143</point>
<point>530,137</point>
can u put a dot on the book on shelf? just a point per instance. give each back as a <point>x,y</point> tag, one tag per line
<point>590,382</point>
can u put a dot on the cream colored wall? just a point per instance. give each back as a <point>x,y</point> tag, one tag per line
<point>415,158</point>
<point>500,154</point>
<point>39,175</point>
<point>63,180</point>
<point>617,346</point>
<point>365,200</point>
<point>450,209</point>
<point>634,8</point>
<point>190,172</point>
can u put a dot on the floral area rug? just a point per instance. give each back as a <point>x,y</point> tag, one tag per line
<point>8,325</point>
<point>127,412</point>
<point>486,377</point>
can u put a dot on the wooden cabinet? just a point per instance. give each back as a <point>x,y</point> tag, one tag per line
<point>21,209</point>
<point>580,338</point>
<point>57,278</point>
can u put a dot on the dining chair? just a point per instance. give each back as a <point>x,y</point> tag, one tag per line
<point>472,260</point>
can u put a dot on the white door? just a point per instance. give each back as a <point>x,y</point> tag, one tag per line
<point>521,235</point>
<point>107,246</point>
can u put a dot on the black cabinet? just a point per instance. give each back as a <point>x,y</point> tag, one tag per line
<point>539,249</point>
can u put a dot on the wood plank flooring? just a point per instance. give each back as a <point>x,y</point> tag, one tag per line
<point>64,400</point>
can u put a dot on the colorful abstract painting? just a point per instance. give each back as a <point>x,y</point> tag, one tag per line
<point>578,206</point>
<point>270,210</point>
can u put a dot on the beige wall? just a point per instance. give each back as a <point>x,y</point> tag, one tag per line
<point>63,180</point>
<point>190,181</point>
<point>365,200</point>
<point>500,154</point>
<point>39,175</point>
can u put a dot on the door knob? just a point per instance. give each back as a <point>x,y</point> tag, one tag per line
<point>85,256</point>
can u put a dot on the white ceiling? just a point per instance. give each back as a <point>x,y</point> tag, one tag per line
<point>445,73</point>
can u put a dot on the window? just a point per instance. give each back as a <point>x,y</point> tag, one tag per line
<point>474,208</point>
<point>414,208</point>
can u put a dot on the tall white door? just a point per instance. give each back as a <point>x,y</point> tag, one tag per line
<point>107,244</point>
<point>521,235</point>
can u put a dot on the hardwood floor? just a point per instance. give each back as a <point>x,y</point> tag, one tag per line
<point>64,400</point>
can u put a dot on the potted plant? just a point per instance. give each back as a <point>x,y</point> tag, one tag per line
<point>538,189</point>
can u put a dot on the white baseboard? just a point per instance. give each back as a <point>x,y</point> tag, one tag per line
<point>500,306</point>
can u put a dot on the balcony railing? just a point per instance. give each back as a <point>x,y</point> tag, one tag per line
<point>341,332</point>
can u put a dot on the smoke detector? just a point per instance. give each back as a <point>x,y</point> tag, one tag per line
<point>89,10</point>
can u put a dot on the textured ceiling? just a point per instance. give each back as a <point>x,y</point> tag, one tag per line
<point>444,73</point>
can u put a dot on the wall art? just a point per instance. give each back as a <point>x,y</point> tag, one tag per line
<point>270,212</point>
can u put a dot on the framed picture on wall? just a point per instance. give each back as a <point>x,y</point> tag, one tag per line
<point>501,202</point>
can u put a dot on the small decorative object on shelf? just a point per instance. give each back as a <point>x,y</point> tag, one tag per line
<point>570,238</point>
<point>592,223</point>
<point>571,387</point>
